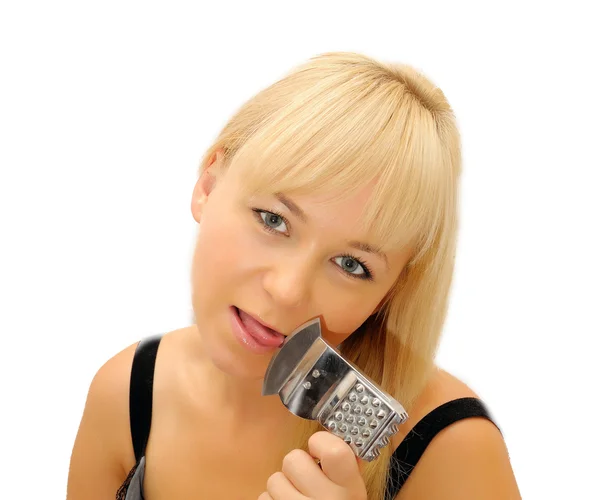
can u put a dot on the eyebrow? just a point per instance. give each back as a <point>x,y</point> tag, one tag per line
<point>298,212</point>
<point>365,247</point>
<point>295,209</point>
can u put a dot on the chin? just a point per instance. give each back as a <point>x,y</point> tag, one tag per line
<point>232,360</point>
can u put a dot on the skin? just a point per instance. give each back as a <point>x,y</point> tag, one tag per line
<point>285,269</point>
<point>285,276</point>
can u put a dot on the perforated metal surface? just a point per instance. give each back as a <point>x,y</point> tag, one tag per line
<point>315,382</point>
<point>364,420</point>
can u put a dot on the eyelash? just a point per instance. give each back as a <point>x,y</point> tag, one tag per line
<point>367,276</point>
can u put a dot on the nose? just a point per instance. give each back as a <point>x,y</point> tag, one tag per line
<point>288,282</point>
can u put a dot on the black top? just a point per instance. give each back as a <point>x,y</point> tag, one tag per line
<point>403,460</point>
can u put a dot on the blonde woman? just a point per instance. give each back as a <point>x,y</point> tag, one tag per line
<point>332,193</point>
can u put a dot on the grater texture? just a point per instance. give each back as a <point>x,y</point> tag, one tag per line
<point>314,381</point>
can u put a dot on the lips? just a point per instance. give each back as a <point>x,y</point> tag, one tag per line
<point>261,333</point>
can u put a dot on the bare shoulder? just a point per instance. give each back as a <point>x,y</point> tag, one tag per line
<point>441,388</point>
<point>103,453</point>
<point>467,459</point>
<point>98,457</point>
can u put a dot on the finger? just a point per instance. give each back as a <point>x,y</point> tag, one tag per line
<point>338,461</point>
<point>265,496</point>
<point>280,488</point>
<point>304,473</point>
<point>362,464</point>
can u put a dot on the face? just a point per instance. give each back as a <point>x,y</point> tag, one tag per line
<point>284,260</point>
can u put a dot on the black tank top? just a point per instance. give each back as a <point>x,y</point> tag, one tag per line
<point>403,460</point>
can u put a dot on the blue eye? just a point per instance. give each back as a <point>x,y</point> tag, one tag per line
<point>276,223</point>
<point>354,267</point>
<point>271,220</point>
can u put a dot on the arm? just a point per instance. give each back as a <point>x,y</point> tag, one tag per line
<point>103,454</point>
<point>468,460</point>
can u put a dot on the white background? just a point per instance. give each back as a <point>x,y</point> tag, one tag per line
<point>107,107</point>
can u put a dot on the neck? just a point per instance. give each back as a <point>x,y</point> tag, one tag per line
<point>238,398</point>
<point>243,397</point>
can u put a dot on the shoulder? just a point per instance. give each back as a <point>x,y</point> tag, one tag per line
<point>99,456</point>
<point>103,455</point>
<point>441,388</point>
<point>467,459</point>
<point>108,397</point>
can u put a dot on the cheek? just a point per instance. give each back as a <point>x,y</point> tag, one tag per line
<point>213,252</point>
<point>344,315</point>
<point>228,247</point>
<point>216,251</point>
<point>335,339</point>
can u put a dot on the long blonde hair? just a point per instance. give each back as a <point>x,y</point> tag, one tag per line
<point>344,119</point>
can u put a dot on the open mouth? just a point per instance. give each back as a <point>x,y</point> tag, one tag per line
<point>260,333</point>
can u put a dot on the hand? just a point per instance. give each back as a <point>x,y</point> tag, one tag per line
<point>301,478</point>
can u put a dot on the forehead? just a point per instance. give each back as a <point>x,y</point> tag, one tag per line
<point>332,196</point>
<point>334,213</point>
<point>332,205</point>
<point>360,200</point>
<point>336,219</point>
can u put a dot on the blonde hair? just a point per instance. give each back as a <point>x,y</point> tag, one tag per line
<point>344,120</point>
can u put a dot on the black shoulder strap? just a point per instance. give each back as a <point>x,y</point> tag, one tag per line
<point>413,446</point>
<point>140,393</point>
